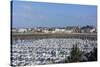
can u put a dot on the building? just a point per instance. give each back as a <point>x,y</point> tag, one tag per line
<point>22,30</point>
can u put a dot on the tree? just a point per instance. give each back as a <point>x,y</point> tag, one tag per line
<point>75,54</point>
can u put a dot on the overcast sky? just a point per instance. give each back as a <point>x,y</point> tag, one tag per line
<point>33,14</point>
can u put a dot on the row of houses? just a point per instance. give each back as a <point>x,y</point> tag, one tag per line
<point>85,29</point>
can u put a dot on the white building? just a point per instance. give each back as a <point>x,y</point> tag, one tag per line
<point>62,30</point>
<point>22,30</point>
<point>14,30</point>
<point>93,30</point>
<point>69,31</point>
<point>46,31</point>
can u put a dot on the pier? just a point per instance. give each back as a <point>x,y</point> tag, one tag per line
<point>89,36</point>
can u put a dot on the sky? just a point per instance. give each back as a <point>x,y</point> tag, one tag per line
<point>40,14</point>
